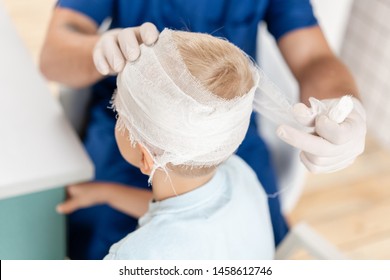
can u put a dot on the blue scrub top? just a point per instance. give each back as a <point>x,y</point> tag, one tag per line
<point>93,230</point>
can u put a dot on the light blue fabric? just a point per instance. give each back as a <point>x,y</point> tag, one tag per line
<point>227,218</point>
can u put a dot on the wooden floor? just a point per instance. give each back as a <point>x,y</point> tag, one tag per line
<point>350,208</point>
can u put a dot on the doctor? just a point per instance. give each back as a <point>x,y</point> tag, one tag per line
<point>75,54</point>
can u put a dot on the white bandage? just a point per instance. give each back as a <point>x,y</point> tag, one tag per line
<point>177,119</point>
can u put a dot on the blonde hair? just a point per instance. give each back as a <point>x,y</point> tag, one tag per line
<point>219,66</point>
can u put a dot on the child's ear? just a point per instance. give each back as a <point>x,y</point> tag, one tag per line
<point>146,164</point>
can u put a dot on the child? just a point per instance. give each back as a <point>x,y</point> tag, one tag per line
<point>183,109</point>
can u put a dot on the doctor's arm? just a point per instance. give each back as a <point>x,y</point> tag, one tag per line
<point>75,54</point>
<point>322,75</point>
<point>66,55</point>
<point>318,71</point>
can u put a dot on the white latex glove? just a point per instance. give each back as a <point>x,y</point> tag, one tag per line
<point>333,146</point>
<point>117,46</point>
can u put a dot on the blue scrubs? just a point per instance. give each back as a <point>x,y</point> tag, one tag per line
<point>93,230</point>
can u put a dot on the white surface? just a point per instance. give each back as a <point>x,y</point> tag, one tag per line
<point>366,52</point>
<point>302,236</point>
<point>38,148</point>
<point>333,17</point>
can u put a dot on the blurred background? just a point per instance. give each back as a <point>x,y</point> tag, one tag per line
<point>350,208</point>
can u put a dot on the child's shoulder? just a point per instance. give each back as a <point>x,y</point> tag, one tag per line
<point>153,241</point>
<point>159,239</point>
<point>143,243</point>
<point>235,161</point>
<point>238,168</point>
<point>242,179</point>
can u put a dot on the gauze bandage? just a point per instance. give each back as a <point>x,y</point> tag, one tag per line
<point>168,111</point>
<point>173,115</point>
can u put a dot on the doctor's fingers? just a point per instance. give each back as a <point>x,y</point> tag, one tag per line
<point>113,54</point>
<point>108,58</point>
<point>327,161</point>
<point>129,43</point>
<point>149,33</point>
<point>100,62</point>
<point>325,166</point>
<point>303,114</point>
<point>352,128</point>
<point>129,39</point>
<point>307,142</point>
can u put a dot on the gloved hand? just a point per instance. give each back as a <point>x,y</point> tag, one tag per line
<point>118,45</point>
<point>333,146</point>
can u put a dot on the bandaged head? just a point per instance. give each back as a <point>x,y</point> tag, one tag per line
<point>174,116</point>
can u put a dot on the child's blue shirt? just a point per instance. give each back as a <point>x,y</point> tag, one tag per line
<point>227,218</point>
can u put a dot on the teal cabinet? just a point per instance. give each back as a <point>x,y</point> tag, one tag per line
<point>30,228</point>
